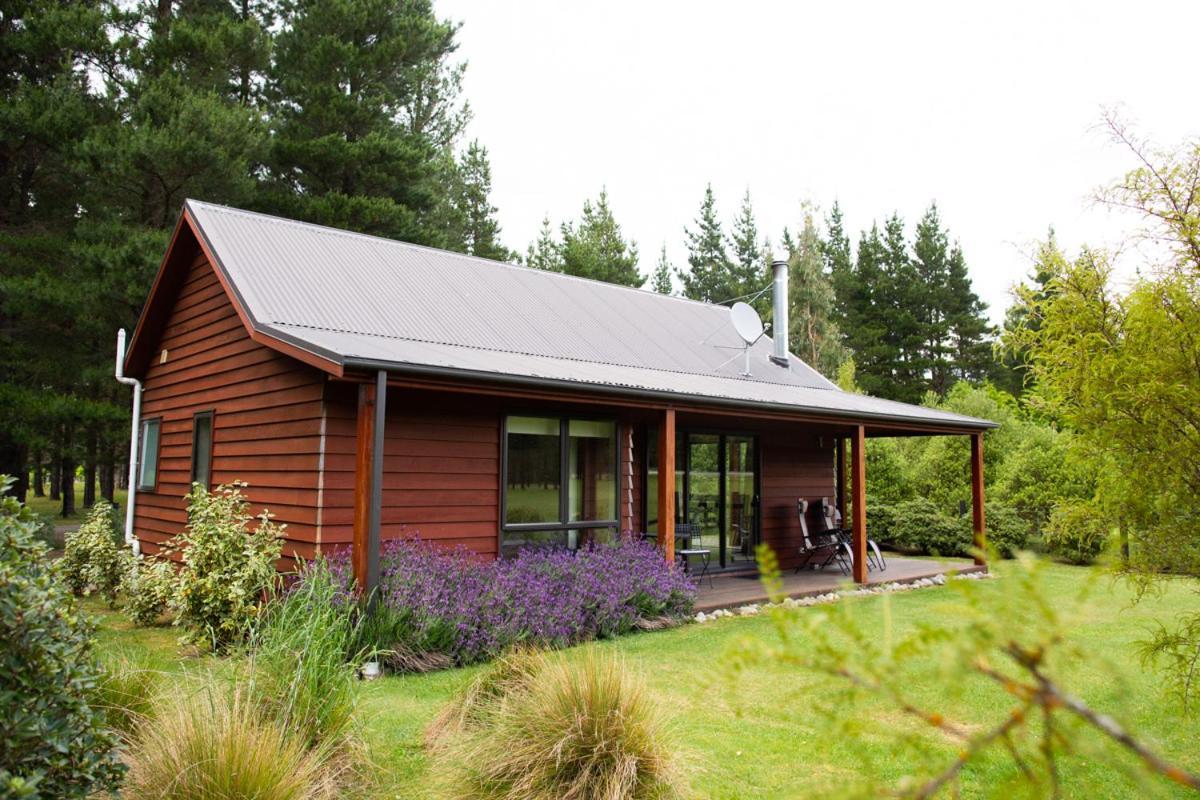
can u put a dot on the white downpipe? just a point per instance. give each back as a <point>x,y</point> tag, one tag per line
<point>135,431</point>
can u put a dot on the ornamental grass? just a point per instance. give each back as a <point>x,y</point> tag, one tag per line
<point>217,745</point>
<point>537,727</point>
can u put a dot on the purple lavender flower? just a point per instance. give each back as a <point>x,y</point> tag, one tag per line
<point>447,601</point>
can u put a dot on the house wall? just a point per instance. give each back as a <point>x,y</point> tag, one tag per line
<point>266,423</point>
<point>795,464</point>
<point>441,468</point>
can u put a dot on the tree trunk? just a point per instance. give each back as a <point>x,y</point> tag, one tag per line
<point>106,474</point>
<point>66,468</point>
<point>39,475</point>
<point>56,475</point>
<point>12,462</point>
<point>89,471</point>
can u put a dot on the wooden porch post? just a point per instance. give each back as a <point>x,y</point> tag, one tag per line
<point>840,483</point>
<point>666,484</point>
<point>364,442</point>
<point>368,483</point>
<point>858,468</point>
<point>978,526</point>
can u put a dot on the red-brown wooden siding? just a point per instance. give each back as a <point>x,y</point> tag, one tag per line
<point>441,469</point>
<point>266,422</point>
<point>795,464</point>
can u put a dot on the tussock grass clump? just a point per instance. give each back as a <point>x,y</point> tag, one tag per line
<point>216,745</point>
<point>125,694</point>
<point>538,727</point>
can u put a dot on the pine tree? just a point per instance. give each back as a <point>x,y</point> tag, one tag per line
<point>971,335</point>
<point>545,253</point>
<point>475,227</point>
<point>660,280</point>
<point>897,301</point>
<point>813,335</point>
<point>594,248</point>
<point>866,319</point>
<point>839,266</point>
<point>749,269</point>
<point>708,276</point>
<point>346,83</point>
<point>931,251</point>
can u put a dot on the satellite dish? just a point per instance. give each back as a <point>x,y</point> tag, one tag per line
<point>746,322</point>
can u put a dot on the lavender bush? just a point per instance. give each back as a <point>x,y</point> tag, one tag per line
<point>433,600</point>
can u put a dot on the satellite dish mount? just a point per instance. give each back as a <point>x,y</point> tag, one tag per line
<point>749,326</point>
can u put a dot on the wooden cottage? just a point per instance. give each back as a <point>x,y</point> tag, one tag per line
<point>368,389</point>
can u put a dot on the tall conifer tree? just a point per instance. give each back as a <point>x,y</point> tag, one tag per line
<point>708,276</point>
<point>345,83</point>
<point>813,334</point>
<point>749,267</point>
<point>545,253</point>
<point>594,247</point>
<point>660,280</point>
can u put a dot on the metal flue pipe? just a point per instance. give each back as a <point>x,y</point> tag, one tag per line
<point>135,430</point>
<point>779,320</point>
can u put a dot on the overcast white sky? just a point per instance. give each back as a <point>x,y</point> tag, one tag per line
<point>991,109</point>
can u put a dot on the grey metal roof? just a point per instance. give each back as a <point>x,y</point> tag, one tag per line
<point>363,300</point>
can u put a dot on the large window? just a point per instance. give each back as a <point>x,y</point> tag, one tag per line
<point>148,457</point>
<point>202,431</point>
<point>560,481</point>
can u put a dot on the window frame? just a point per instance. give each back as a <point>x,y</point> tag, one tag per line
<point>210,415</point>
<point>144,424</point>
<point>564,467</point>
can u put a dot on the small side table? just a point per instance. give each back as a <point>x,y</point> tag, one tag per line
<point>704,553</point>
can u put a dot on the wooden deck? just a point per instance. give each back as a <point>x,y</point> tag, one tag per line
<point>731,591</point>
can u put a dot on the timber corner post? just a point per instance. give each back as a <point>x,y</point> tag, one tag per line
<point>858,487</point>
<point>666,484</point>
<point>368,482</point>
<point>978,511</point>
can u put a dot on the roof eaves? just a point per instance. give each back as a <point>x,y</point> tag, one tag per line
<point>958,422</point>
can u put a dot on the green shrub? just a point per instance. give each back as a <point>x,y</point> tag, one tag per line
<point>304,664</point>
<point>148,589</point>
<point>228,569</point>
<point>1007,531</point>
<point>53,742</point>
<point>543,727</point>
<point>1077,532</point>
<point>44,530</point>
<point>92,560</point>
<point>214,743</point>
<point>917,526</point>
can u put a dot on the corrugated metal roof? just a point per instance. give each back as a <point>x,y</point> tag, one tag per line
<point>359,298</point>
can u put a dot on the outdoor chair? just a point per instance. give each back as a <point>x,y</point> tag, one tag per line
<point>832,520</point>
<point>820,550</point>
<point>686,534</point>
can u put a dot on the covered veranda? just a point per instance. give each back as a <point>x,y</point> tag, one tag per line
<point>798,457</point>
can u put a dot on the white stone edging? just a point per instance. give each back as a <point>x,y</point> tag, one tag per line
<point>832,597</point>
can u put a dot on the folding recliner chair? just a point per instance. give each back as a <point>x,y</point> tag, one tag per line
<point>832,519</point>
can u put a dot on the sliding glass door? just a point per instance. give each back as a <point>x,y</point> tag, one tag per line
<point>716,494</point>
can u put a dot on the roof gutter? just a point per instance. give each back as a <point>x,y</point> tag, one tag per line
<point>651,394</point>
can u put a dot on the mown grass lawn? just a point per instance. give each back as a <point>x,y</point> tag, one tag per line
<point>759,732</point>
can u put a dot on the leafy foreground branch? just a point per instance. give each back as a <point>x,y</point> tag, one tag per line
<point>1005,639</point>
